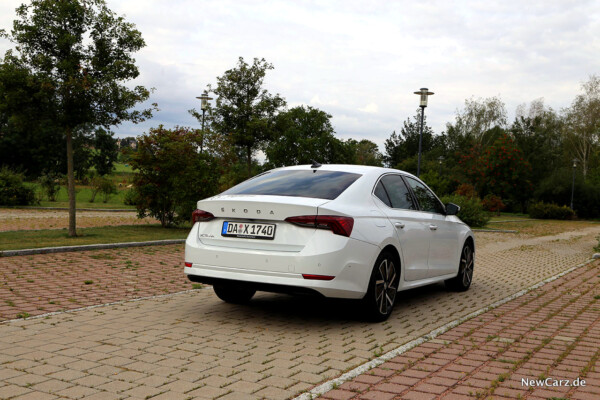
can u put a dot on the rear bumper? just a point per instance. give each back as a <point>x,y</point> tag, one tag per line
<point>350,261</point>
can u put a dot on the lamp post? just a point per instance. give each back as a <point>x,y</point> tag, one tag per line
<point>424,93</point>
<point>203,105</point>
<point>573,184</point>
<point>440,160</point>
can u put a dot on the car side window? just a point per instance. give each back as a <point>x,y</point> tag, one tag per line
<point>398,192</point>
<point>425,197</point>
<point>382,195</point>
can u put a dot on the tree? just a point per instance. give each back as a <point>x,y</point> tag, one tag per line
<point>300,135</point>
<point>582,122</point>
<point>475,122</point>
<point>243,108</point>
<point>365,152</point>
<point>537,131</point>
<point>171,175</point>
<point>106,151</point>
<point>401,147</point>
<point>80,53</point>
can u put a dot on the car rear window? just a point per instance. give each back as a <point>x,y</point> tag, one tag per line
<point>316,184</point>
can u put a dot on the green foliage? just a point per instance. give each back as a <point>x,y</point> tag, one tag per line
<point>106,151</point>
<point>104,186</point>
<point>543,210</point>
<point>50,184</point>
<point>441,185</point>
<point>493,203</point>
<point>129,198</point>
<point>557,187</point>
<point>172,175</point>
<point>12,190</point>
<point>364,152</point>
<point>406,144</point>
<point>244,109</point>
<point>301,135</point>
<point>471,210</point>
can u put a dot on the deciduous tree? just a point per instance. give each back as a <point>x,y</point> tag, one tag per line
<point>80,53</point>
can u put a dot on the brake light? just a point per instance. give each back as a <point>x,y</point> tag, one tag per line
<point>201,216</point>
<point>337,224</point>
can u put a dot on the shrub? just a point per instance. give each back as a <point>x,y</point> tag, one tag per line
<point>471,210</point>
<point>50,183</point>
<point>12,190</point>
<point>102,185</point>
<point>543,210</point>
<point>493,203</point>
<point>129,198</point>
<point>557,189</point>
<point>466,190</point>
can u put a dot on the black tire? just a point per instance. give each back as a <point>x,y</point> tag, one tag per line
<point>463,279</point>
<point>383,287</point>
<point>234,294</point>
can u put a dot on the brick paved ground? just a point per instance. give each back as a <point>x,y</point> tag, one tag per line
<point>552,332</point>
<point>21,219</point>
<point>33,285</point>
<point>192,345</point>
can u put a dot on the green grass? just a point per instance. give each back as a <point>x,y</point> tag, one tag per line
<point>83,196</point>
<point>15,240</point>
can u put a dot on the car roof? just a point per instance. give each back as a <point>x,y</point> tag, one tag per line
<point>358,169</point>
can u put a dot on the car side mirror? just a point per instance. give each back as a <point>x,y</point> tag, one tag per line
<point>452,209</point>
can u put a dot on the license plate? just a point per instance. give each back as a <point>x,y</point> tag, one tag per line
<point>248,230</point>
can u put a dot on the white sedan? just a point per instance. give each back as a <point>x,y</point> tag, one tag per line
<point>344,231</point>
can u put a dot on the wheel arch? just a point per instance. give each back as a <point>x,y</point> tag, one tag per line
<point>394,252</point>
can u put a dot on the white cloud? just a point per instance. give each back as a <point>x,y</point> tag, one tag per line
<point>361,61</point>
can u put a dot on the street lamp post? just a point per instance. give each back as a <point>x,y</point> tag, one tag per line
<point>424,93</point>
<point>440,160</point>
<point>203,105</point>
<point>573,184</point>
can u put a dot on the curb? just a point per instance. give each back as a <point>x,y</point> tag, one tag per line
<point>361,369</point>
<point>66,249</point>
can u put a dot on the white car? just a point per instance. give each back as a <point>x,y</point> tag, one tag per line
<point>344,231</point>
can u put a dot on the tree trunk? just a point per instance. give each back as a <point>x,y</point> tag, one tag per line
<point>71,184</point>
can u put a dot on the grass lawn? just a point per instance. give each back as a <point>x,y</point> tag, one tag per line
<point>15,240</point>
<point>83,196</point>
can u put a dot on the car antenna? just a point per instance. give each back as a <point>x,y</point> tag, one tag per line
<point>315,165</point>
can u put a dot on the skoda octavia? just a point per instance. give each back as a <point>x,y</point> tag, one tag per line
<point>343,231</point>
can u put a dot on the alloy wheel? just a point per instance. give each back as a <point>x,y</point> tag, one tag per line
<point>385,286</point>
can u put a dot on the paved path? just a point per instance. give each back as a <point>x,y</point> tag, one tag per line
<point>549,336</point>
<point>191,345</point>
<point>23,219</point>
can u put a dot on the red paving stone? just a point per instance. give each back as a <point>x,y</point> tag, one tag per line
<point>64,281</point>
<point>551,332</point>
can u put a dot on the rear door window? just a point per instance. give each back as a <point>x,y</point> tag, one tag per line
<point>398,193</point>
<point>298,183</point>
<point>427,200</point>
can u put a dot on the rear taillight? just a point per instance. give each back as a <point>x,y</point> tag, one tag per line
<point>201,216</point>
<point>338,225</point>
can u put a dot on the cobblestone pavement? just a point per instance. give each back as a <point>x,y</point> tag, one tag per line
<point>191,345</point>
<point>33,285</point>
<point>549,336</point>
<point>22,219</point>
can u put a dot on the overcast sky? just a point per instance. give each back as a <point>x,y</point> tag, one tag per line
<point>361,61</point>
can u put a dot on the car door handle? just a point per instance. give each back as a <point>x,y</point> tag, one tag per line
<point>433,227</point>
<point>399,225</point>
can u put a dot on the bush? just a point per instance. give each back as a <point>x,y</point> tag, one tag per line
<point>129,198</point>
<point>493,203</point>
<point>557,189</point>
<point>543,210</point>
<point>12,190</point>
<point>50,183</point>
<point>466,190</point>
<point>104,186</point>
<point>471,210</point>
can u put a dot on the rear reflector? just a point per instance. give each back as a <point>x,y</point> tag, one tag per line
<point>318,277</point>
<point>337,224</point>
<point>189,265</point>
<point>201,216</point>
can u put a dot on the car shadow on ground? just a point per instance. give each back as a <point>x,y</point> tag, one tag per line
<point>317,310</point>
